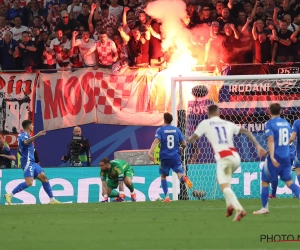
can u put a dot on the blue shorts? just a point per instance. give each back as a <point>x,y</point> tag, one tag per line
<point>167,164</point>
<point>271,173</point>
<point>296,163</point>
<point>33,170</point>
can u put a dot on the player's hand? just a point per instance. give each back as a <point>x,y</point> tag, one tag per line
<point>75,33</point>
<point>150,156</point>
<point>126,9</point>
<point>261,151</point>
<point>275,163</point>
<point>43,132</point>
<point>105,199</point>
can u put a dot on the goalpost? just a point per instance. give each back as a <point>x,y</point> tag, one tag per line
<point>244,100</point>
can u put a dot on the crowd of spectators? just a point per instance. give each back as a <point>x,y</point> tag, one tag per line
<point>118,33</point>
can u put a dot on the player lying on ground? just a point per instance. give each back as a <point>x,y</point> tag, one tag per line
<point>278,161</point>
<point>170,138</point>
<point>113,174</point>
<point>31,169</point>
<point>220,134</point>
<point>274,183</point>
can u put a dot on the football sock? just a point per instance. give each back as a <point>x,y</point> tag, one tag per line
<point>164,185</point>
<point>274,186</point>
<point>20,187</point>
<point>231,198</point>
<point>298,178</point>
<point>182,179</point>
<point>131,188</point>
<point>295,190</point>
<point>265,196</point>
<point>114,193</point>
<point>48,189</point>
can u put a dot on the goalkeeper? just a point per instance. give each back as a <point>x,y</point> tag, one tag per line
<point>113,174</point>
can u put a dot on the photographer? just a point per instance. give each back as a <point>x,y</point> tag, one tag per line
<point>78,150</point>
<point>6,156</point>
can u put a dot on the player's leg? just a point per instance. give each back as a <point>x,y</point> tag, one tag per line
<point>296,165</point>
<point>274,185</point>
<point>28,176</point>
<point>128,182</point>
<point>111,189</point>
<point>298,174</point>
<point>164,170</point>
<point>177,167</point>
<point>268,174</point>
<point>286,176</point>
<point>40,175</point>
<point>225,168</point>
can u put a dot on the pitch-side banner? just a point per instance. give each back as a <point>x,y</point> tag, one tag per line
<point>17,92</point>
<point>137,97</point>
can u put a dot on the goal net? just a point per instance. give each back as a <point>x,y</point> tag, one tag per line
<point>243,100</point>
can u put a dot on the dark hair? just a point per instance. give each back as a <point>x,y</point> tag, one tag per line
<point>168,118</point>
<point>275,109</point>
<point>85,4</point>
<point>85,30</point>
<point>104,7</point>
<point>17,17</point>
<point>36,17</point>
<point>212,109</point>
<point>25,32</point>
<point>103,32</point>
<point>26,123</point>
<point>105,160</point>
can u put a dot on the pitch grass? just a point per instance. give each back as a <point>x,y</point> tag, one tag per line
<point>146,225</point>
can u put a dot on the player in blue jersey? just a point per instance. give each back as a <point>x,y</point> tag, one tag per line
<point>278,161</point>
<point>31,169</point>
<point>296,134</point>
<point>170,139</point>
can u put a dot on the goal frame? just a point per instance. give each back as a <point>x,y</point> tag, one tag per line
<point>180,79</point>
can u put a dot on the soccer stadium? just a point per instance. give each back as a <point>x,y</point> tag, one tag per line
<point>149,125</point>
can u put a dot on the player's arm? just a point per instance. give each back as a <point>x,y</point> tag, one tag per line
<point>33,138</point>
<point>104,186</point>
<point>151,150</point>
<point>294,131</point>
<point>293,137</point>
<point>261,152</point>
<point>8,155</point>
<point>271,146</point>
<point>200,130</point>
<point>118,168</point>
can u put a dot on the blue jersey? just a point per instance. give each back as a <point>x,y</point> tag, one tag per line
<point>26,151</point>
<point>296,129</point>
<point>169,137</point>
<point>280,129</point>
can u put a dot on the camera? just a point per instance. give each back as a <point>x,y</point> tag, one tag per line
<point>75,148</point>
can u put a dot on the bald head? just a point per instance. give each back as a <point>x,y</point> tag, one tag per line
<point>77,131</point>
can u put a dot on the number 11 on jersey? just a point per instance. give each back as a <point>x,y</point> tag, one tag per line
<point>221,131</point>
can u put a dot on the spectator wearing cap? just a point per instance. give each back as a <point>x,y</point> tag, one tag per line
<point>283,48</point>
<point>258,12</point>
<point>83,17</point>
<point>66,25</point>
<point>206,16</point>
<point>193,16</point>
<point>106,51</point>
<point>75,9</point>
<point>115,10</point>
<point>18,29</point>
<point>7,48</point>
<point>213,46</point>
<point>105,18</point>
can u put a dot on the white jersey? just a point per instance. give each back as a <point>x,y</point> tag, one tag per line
<point>76,10</point>
<point>219,133</point>
<point>89,60</point>
<point>17,32</point>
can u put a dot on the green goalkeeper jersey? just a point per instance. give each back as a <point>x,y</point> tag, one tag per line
<point>118,169</point>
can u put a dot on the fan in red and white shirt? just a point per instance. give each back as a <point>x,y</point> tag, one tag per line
<point>37,22</point>
<point>3,26</point>
<point>106,18</point>
<point>106,50</point>
<point>49,57</point>
<point>54,15</point>
<point>116,10</point>
<point>61,46</point>
<point>86,46</point>
<point>75,9</point>
<point>18,29</point>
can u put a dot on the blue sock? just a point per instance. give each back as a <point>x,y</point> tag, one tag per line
<point>298,177</point>
<point>182,179</point>
<point>164,185</point>
<point>295,190</point>
<point>274,186</point>
<point>20,188</point>
<point>264,196</point>
<point>48,189</point>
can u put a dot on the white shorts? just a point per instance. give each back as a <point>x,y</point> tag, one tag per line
<point>226,167</point>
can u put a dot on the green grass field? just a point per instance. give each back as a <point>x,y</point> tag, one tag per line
<point>146,225</point>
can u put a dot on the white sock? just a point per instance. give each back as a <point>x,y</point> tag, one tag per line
<point>231,198</point>
<point>52,199</point>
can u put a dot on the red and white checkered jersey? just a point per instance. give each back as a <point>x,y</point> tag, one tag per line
<point>6,27</point>
<point>219,132</point>
<point>122,50</point>
<point>96,36</point>
<point>138,10</point>
<point>89,60</point>
<point>116,12</point>
<point>10,3</point>
<point>109,21</point>
<point>50,59</point>
<point>76,10</point>
<point>42,28</point>
<point>54,21</point>
<point>106,52</point>
<point>60,55</point>
<point>17,33</point>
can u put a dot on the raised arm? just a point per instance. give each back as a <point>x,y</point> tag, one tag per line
<point>33,138</point>
<point>124,36</point>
